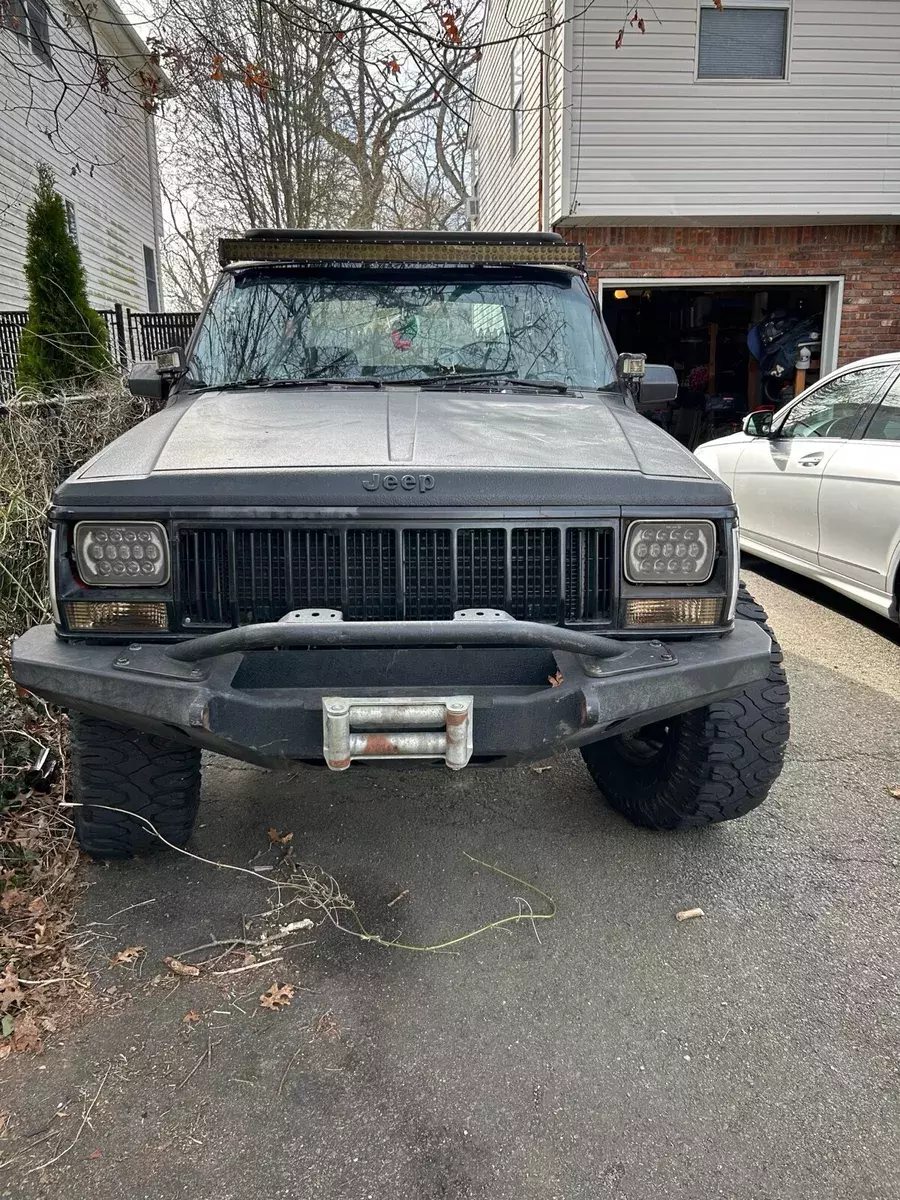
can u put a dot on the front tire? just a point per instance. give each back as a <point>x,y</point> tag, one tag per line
<point>711,764</point>
<point>114,767</point>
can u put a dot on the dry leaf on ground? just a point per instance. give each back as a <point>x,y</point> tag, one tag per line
<point>26,1035</point>
<point>126,957</point>
<point>180,968</point>
<point>279,839</point>
<point>277,997</point>
<point>191,1016</point>
<point>894,791</point>
<point>10,992</point>
<point>12,897</point>
<point>688,914</point>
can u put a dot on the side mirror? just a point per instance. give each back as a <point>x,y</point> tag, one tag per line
<point>758,423</point>
<point>145,381</point>
<point>659,386</point>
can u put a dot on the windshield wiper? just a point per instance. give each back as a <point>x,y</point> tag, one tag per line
<point>465,379</point>
<point>264,384</point>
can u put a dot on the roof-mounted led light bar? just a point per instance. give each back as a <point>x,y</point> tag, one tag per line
<point>321,245</point>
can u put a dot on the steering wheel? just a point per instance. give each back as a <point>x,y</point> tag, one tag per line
<point>839,427</point>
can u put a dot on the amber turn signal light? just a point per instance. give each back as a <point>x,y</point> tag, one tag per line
<point>116,616</point>
<point>694,610</point>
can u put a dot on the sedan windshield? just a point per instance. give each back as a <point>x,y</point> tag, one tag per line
<point>271,326</point>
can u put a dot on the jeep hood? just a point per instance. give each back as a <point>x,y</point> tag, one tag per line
<point>316,447</point>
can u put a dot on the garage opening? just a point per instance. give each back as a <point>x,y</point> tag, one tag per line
<point>735,347</point>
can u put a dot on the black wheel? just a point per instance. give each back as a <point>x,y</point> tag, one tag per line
<point>711,764</point>
<point>141,773</point>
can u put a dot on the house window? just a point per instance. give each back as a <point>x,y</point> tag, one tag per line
<point>30,20</point>
<point>748,40</point>
<point>39,28</point>
<point>152,284</point>
<point>71,222</point>
<point>516,98</point>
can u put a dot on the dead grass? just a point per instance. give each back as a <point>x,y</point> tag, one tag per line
<point>43,987</point>
<point>41,442</point>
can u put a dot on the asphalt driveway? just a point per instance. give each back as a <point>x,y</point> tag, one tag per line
<point>612,1051</point>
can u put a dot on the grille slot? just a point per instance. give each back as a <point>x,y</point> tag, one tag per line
<point>536,593</point>
<point>203,575</point>
<point>261,575</point>
<point>428,574</point>
<point>481,568</point>
<point>537,573</point>
<point>371,578</point>
<point>315,565</point>
<point>589,554</point>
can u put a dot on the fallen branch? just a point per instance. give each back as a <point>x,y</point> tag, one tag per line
<point>323,894</point>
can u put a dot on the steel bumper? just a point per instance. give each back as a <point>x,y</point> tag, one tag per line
<point>202,700</point>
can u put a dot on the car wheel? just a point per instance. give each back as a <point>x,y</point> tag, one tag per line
<point>711,764</point>
<point>138,775</point>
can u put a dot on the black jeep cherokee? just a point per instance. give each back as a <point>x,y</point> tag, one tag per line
<point>400,505</point>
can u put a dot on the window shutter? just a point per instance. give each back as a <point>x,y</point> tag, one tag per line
<point>742,43</point>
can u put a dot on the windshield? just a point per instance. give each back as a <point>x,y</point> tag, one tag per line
<point>270,326</point>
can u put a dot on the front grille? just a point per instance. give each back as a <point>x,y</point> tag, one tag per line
<point>244,574</point>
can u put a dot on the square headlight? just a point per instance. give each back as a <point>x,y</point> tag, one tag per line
<point>662,552</point>
<point>124,554</point>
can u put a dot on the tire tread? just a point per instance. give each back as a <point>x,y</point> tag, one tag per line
<point>124,768</point>
<point>726,757</point>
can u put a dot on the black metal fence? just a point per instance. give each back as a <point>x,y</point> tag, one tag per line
<point>133,337</point>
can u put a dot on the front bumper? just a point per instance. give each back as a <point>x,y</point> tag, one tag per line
<point>265,705</point>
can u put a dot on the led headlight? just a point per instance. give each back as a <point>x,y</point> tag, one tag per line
<point>126,554</point>
<point>662,552</point>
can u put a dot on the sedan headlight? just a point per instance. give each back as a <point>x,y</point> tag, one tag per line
<point>125,554</point>
<point>662,552</point>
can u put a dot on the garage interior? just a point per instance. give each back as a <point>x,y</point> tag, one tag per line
<point>702,331</point>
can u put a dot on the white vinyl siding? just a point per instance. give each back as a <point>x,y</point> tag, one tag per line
<point>508,191</point>
<point>640,137</point>
<point>104,163</point>
<point>651,141</point>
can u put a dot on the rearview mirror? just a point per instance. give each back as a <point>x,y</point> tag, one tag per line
<point>758,423</point>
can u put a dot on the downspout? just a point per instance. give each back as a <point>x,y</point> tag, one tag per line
<point>155,201</point>
<point>540,165</point>
<point>543,115</point>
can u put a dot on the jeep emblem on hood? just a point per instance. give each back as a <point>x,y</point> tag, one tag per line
<point>390,483</point>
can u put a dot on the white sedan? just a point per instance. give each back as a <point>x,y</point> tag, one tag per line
<point>817,484</point>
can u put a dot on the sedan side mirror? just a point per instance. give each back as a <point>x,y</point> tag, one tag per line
<point>758,423</point>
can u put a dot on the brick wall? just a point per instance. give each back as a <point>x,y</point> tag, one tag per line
<point>868,256</point>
